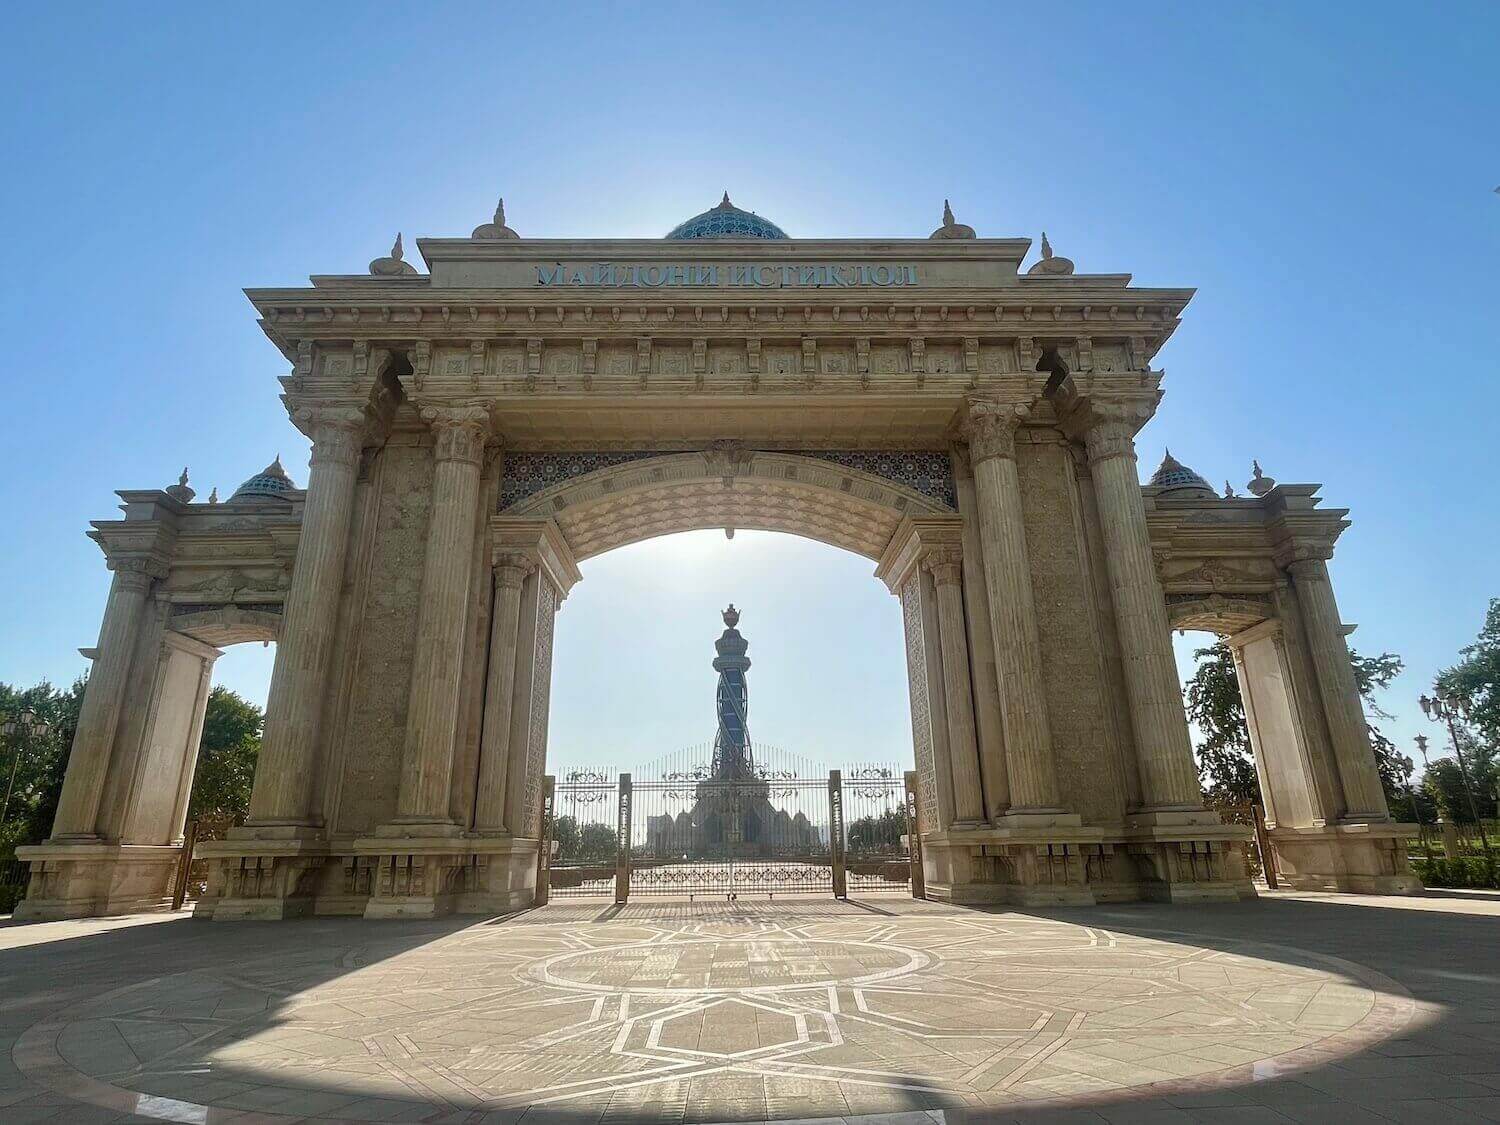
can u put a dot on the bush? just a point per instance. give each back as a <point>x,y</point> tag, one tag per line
<point>1464,871</point>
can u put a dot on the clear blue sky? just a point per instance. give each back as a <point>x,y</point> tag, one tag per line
<point>1323,174</point>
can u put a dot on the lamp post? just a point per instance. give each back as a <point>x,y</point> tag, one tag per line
<point>1440,707</point>
<point>19,730</point>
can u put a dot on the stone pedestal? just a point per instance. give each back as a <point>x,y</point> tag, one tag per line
<point>1050,864</point>
<point>429,878</point>
<point>260,881</point>
<point>1359,858</point>
<point>84,880</point>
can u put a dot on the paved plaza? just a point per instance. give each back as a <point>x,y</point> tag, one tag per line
<point>1292,1008</point>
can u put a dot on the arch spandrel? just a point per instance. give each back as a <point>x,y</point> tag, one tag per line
<point>642,499</point>
<point>222,626</point>
<point>1216,613</point>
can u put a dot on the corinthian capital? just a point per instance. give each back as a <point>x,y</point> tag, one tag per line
<point>460,432</point>
<point>1107,426</point>
<point>337,431</point>
<point>991,428</point>
<point>945,564</point>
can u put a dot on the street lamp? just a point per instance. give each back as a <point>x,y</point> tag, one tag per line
<point>19,730</point>
<point>1440,707</point>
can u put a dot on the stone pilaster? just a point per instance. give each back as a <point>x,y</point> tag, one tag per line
<point>425,799</point>
<point>963,747</point>
<point>1169,779</point>
<point>282,798</point>
<point>991,430</point>
<point>99,717</point>
<point>1350,735</point>
<point>494,745</point>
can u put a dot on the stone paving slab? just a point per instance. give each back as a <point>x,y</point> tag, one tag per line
<point>886,1012</point>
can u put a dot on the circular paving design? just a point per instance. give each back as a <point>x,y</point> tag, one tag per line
<point>744,1018</point>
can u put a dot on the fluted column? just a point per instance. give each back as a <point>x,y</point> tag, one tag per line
<point>1347,728</point>
<point>500,685</point>
<point>287,768</point>
<point>976,601</point>
<point>963,748</point>
<point>1169,778</point>
<point>1007,573</point>
<point>432,713</point>
<point>99,717</point>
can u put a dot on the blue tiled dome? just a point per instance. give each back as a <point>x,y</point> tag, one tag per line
<point>1174,476</point>
<point>270,481</point>
<point>726,221</point>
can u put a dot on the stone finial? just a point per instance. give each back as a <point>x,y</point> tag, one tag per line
<point>951,227</point>
<point>1260,484</point>
<point>1050,263</point>
<point>724,204</point>
<point>213,495</point>
<point>180,491</point>
<point>1229,492</point>
<point>731,616</point>
<point>497,228</point>
<point>394,263</point>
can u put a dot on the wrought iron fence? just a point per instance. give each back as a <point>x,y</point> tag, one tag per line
<point>674,828</point>
<point>877,832</point>
<point>582,842</point>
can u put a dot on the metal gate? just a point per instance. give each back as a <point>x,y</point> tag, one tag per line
<point>686,833</point>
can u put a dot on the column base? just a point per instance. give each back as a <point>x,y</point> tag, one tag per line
<point>92,879</point>
<point>1359,858</point>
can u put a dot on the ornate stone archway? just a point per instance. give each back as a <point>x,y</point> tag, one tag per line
<point>478,429</point>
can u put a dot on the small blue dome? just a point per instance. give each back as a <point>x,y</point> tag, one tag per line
<point>1174,476</point>
<point>270,481</point>
<point>726,221</point>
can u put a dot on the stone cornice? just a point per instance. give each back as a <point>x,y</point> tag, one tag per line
<point>540,543</point>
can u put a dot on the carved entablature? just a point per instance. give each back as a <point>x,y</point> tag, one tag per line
<point>1237,547</point>
<point>796,342</point>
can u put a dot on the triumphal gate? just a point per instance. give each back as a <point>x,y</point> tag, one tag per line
<point>966,423</point>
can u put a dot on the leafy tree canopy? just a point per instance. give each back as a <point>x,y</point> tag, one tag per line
<point>1226,766</point>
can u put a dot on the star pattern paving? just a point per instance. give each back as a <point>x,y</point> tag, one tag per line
<point>679,1013</point>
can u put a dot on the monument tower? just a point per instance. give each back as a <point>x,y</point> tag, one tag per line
<point>733,757</point>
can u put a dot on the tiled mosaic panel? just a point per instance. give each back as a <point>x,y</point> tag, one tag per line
<point>925,471</point>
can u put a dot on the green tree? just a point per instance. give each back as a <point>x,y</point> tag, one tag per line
<point>874,834</point>
<point>39,763</point>
<point>1476,679</point>
<point>596,844</point>
<point>226,762</point>
<point>565,832</point>
<point>1226,766</point>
